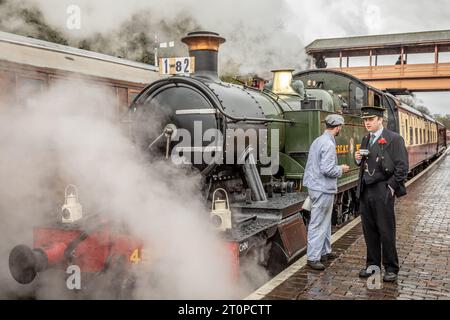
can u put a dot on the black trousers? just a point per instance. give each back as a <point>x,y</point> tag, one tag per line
<point>378,221</point>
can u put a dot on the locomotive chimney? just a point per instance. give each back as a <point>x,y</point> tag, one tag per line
<point>204,46</point>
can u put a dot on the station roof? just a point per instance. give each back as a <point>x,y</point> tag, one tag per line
<point>417,42</point>
<point>38,53</point>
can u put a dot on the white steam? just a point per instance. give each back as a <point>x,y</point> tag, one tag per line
<point>257,38</point>
<point>69,135</point>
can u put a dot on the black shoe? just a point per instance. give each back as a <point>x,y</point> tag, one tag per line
<point>364,274</point>
<point>390,277</point>
<point>328,256</point>
<point>316,265</point>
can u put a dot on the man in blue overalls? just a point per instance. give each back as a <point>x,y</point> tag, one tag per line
<point>320,178</point>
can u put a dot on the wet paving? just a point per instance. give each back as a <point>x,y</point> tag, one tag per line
<point>423,244</point>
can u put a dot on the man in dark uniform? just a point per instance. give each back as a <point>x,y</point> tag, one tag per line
<point>382,175</point>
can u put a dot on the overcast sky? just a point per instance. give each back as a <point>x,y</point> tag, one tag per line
<point>340,18</point>
<point>328,19</point>
<point>305,20</point>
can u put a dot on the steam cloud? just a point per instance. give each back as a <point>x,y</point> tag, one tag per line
<point>71,136</point>
<point>64,136</point>
<point>258,40</point>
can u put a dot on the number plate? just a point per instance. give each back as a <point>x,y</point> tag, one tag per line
<point>184,65</point>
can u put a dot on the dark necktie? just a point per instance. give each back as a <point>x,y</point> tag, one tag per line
<point>372,139</point>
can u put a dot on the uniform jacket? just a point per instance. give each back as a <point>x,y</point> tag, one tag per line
<point>321,170</point>
<point>394,161</point>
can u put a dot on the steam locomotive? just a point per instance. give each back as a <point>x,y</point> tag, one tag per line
<point>264,209</point>
<point>250,147</point>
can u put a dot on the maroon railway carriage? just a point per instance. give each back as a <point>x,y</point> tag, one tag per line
<point>424,137</point>
<point>29,66</point>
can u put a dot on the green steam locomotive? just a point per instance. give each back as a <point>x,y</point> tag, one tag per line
<point>253,146</point>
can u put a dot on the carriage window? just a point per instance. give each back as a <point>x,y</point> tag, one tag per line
<point>131,95</point>
<point>122,100</point>
<point>420,136</point>
<point>7,88</point>
<point>411,135</point>
<point>416,134</point>
<point>27,87</point>
<point>406,131</point>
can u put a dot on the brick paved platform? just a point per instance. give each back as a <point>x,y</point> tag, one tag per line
<point>423,243</point>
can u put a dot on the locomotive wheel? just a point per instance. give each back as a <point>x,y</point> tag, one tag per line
<point>349,205</point>
<point>337,210</point>
<point>115,282</point>
<point>277,261</point>
<point>344,207</point>
<point>122,282</point>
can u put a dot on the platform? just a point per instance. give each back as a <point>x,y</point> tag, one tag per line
<point>423,242</point>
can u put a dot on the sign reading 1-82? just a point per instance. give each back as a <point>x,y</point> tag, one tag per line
<point>184,65</point>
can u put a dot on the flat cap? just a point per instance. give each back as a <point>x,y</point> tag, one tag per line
<point>334,120</point>
<point>370,112</point>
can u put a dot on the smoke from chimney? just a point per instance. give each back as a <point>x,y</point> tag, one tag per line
<point>71,136</point>
<point>257,38</point>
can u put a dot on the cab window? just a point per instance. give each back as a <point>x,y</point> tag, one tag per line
<point>356,95</point>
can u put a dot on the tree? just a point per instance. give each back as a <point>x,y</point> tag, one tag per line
<point>444,119</point>
<point>413,101</point>
<point>424,110</point>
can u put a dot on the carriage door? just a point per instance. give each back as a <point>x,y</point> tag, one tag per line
<point>393,118</point>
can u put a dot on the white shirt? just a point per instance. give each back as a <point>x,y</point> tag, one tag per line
<point>377,134</point>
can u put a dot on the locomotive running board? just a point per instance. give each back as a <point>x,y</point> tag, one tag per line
<point>278,217</point>
<point>280,206</point>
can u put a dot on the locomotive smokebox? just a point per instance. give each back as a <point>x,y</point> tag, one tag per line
<point>204,46</point>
